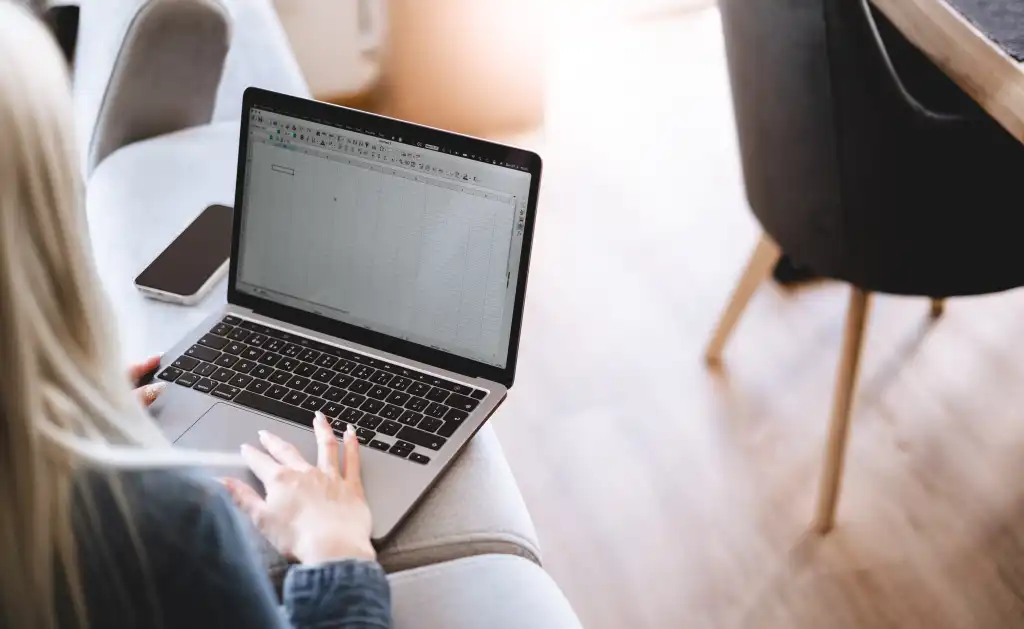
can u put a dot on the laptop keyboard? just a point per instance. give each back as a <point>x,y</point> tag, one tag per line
<point>397,410</point>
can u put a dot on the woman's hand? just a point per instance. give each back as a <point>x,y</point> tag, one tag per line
<point>149,393</point>
<point>312,513</point>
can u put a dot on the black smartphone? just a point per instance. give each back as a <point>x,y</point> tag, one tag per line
<point>191,265</point>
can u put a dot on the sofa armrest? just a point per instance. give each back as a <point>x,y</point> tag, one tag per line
<point>488,591</point>
<point>163,77</point>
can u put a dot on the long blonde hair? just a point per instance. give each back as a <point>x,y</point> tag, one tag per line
<point>64,397</point>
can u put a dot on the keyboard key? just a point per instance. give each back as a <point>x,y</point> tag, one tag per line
<point>397,397</point>
<point>448,429</point>
<point>345,367</point>
<point>363,372</point>
<point>400,383</point>
<point>437,395</point>
<point>186,363</point>
<point>371,406</point>
<point>439,382</point>
<point>289,364</point>
<point>390,411</point>
<point>323,374</point>
<point>239,334</point>
<point>309,355</point>
<point>244,366</point>
<point>478,394</point>
<point>187,380</point>
<point>332,409</point>
<point>226,360</point>
<point>256,340</point>
<point>291,350</point>
<point>170,374</point>
<point>305,370</point>
<point>351,415</point>
<point>417,404</point>
<point>389,428</point>
<point>455,415</point>
<point>379,445</point>
<point>297,382</point>
<point>295,397</point>
<point>205,369</point>
<point>226,391</point>
<point>334,394</point>
<point>313,404</point>
<point>461,402</point>
<point>461,389</point>
<point>342,381</point>
<point>234,348</point>
<point>276,391</point>
<point>379,393</point>
<point>353,399</point>
<point>214,342</point>
<point>221,329</point>
<point>381,377</point>
<point>365,435</point>
<point>436,410</point>
<point>231,320</point>
<point>202,353</point>
<point>223,375</point>
<point>252,326</point>
<point>258,386</point>
<point>253,353</point>
<point>360,386</point>
<point>205,385</point>
<point>327,361</point>
<point>339,427</point>
<point>262,371</point>
<point>416,457</point>
<point>430,424</point>
<point>419,389</point>
<point>273,345</point>
<point>240,380</point>
<point>275,408</point>
<point>270,358</point>
<point>400,451</point>
<point>370,421</point>
<point>410,418</point>
<point>421,438</point>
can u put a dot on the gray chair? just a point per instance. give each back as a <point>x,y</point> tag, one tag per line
<point>864,163</point>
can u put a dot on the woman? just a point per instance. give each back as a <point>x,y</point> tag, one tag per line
<point>102,523</point>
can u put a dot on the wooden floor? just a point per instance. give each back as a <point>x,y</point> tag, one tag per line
<point>670,496</point>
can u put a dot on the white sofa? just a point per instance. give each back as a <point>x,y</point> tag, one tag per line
<point>158,87</point>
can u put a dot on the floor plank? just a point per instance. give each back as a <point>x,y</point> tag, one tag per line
<point>667,495</point>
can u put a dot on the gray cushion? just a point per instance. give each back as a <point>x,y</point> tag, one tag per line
<point>485,592</point>
<point>144,194</point>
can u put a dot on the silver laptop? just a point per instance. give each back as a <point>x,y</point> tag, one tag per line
<point>378,274</point>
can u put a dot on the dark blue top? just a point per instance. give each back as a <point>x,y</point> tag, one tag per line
<point>184,558</point>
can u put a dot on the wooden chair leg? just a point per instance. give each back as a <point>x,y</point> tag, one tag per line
<point>842,403</point>
<point>765,255</point>
<point>938,307</point>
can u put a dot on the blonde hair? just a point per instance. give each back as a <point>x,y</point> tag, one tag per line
<point>64,397</point>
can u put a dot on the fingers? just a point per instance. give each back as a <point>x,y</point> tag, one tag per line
<point>149,393</point>
<point>326,446</point>
<point>262,465</point>
<point>351,470</point>
<point>245,498</point>
<point>138,370</point>
<point>283,451</point>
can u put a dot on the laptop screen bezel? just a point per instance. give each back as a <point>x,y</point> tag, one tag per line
<point>336,115</point>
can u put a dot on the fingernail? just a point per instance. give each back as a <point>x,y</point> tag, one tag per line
<point>246,446</point>
<point>262,433</point>
<point>350,431</point>
<point>320,417</point>
<point>153,391</point>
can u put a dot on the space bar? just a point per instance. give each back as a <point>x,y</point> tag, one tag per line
<point>273,407</point>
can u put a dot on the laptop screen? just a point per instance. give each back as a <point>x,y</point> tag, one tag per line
<point>421,243</point>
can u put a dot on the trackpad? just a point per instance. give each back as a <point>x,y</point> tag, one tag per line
<point>224,428</point>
